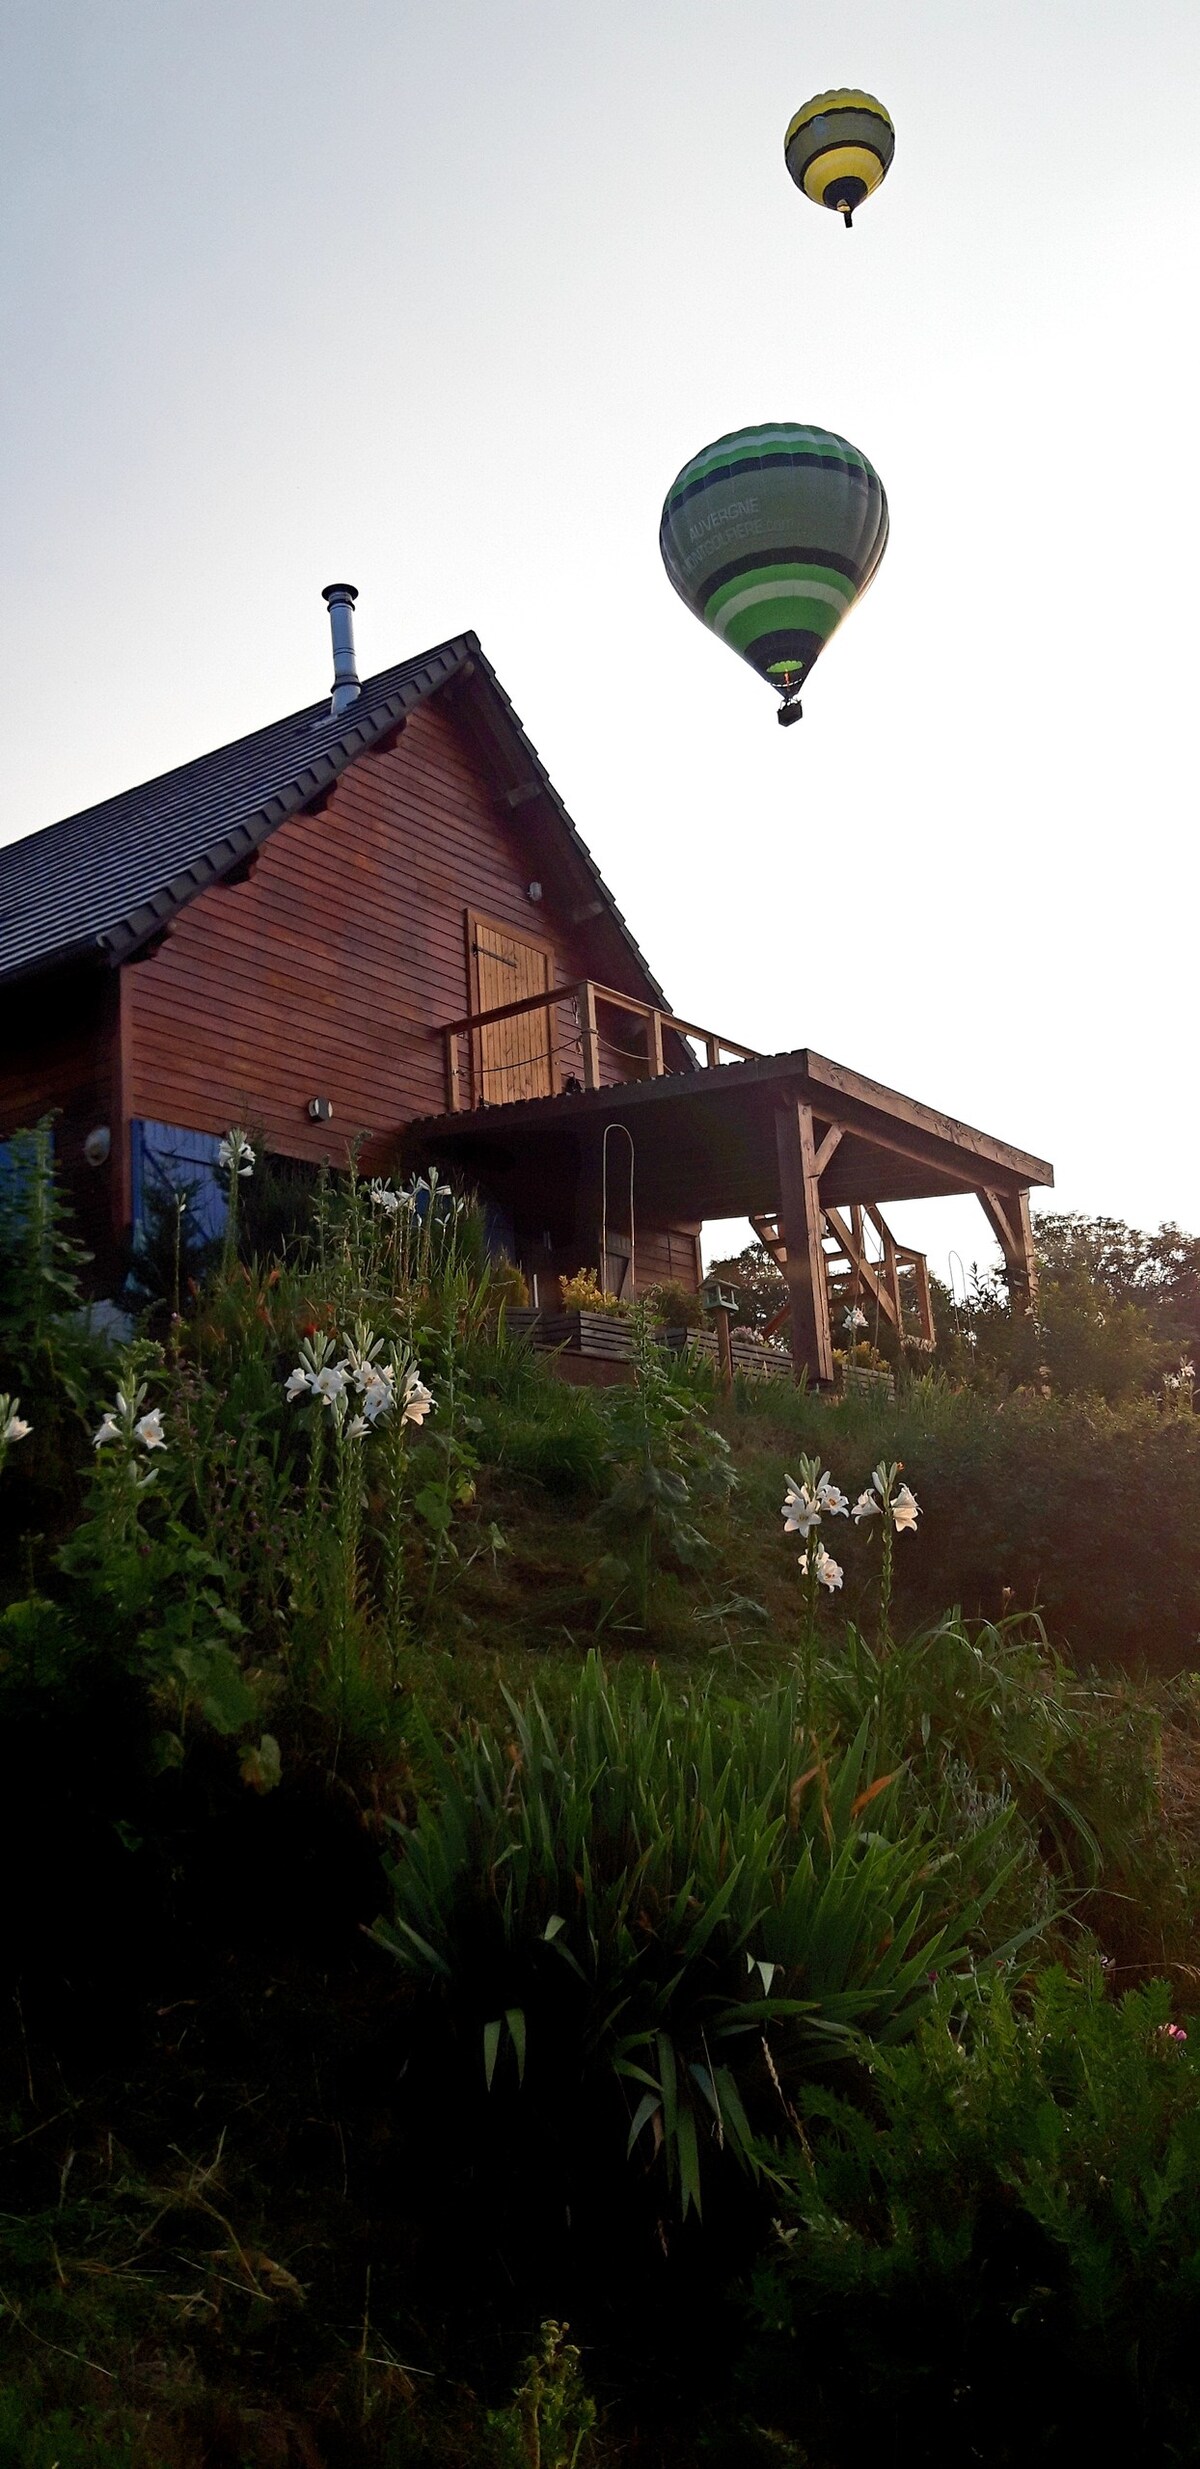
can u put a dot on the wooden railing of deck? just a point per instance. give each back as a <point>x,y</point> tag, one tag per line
<point>585,993</point>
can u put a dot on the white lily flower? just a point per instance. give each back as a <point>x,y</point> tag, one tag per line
<point>109,1430</point>
<point>383,1197</point>
<point>328,1384</point>
<point>377,1400</point>
<point>854,1318</point>
<point>356,1427</point>
<point>15,1429</point>
<point>236,1154</point>
<point>828,1572</point>
<point>150,1431</point>
<point>296,1384</point>
<point>830,1500</point>
<point>418,1401</point>
<point>866,1505</point>
<point>800,1512</point>
<point>905,1510</point>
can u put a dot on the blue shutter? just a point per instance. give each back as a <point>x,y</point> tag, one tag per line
<point>167,1159</point>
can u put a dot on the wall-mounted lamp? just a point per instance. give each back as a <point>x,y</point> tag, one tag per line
<point>97,1148</point>
<point>535,892</point>
<point>320,1110</point>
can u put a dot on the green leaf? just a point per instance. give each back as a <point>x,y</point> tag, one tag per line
<point>491,2047</point>
<point>649,2106</point>
<point>515,2020</point>
<point>434,1508</point>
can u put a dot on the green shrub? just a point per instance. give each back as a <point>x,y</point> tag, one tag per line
<point>989,1708</point>
<point>651,1919</point>
<point>675,1306</point>
<point>667,1464</point>
<point>1002,2248</point>
<point>1086,1513</point>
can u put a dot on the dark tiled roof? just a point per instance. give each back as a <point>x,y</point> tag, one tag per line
<point>107,880</point>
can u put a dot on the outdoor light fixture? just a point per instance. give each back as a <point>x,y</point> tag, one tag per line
<point>535,892</point>
<point>97,1148</point>
<point>320,1110</point>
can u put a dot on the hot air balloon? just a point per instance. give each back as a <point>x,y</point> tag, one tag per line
<point>838,149</point>
<point>770,535</point>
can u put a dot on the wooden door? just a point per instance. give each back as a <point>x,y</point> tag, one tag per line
<point>511,1059</point>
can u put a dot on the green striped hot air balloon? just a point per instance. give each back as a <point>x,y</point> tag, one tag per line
<point>770,535</point>
<point>838,148</point>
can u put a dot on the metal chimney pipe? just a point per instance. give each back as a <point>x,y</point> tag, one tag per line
<point>339,599</point>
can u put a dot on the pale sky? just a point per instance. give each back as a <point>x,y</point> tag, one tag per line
<point>440,300</point>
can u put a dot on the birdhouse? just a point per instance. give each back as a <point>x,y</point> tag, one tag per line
<point>717,1297</point>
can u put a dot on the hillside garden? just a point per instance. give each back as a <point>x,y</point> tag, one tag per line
<point>518,1953</point>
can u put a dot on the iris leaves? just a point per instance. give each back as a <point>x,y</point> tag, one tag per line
<point>669,1908</point>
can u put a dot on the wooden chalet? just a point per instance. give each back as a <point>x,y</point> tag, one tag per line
<point>376,917</point>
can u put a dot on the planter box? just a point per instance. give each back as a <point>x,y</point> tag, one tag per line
<point>858,1381</point>
<point>521,1320</point>
<point>761,1362</point>
<point>600,1334</point>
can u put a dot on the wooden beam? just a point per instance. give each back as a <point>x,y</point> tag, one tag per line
<point>855,1250</point>
<point>508,1011</point>
<point>655,1041</point>
<point>591,1042</point>
<point>799,1222</point>
<point>925,1121</point>
<point>520,796</point>
<point>1008,1215</point>
<point>891,1266</point>
<point>831,1142</point>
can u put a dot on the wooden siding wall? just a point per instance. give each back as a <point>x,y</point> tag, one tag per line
<point>668,1256</point>
<point>325,973</point>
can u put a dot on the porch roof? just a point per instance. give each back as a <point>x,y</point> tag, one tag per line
<point>705,1141</point>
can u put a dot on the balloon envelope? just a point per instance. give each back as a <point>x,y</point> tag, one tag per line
<point>770,535</point>
<point>838,148</point>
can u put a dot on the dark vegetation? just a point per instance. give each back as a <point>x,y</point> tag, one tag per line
<point>464,1881</point>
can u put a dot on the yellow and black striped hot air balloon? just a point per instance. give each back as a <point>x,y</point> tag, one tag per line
<point>838,148</point>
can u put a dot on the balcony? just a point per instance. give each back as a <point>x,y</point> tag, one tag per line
<point>580,1041</point>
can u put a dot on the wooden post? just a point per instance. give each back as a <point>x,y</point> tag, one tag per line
<point>713,1045</point>
<point>453,1091</point>
<point>654,1041</point>
<point>121,1150</point>
<point>1008,1216</point>
<point>800,1230</point>
<point>856,1227</point>
<point>924,1298</point>
<point>591,1042</point>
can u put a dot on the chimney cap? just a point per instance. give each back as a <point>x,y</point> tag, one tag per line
<point>340,591</point>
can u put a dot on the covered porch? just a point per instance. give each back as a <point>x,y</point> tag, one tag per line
<point>807,1149</point>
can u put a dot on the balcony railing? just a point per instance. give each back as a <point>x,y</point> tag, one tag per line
<point>582,1043</point>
